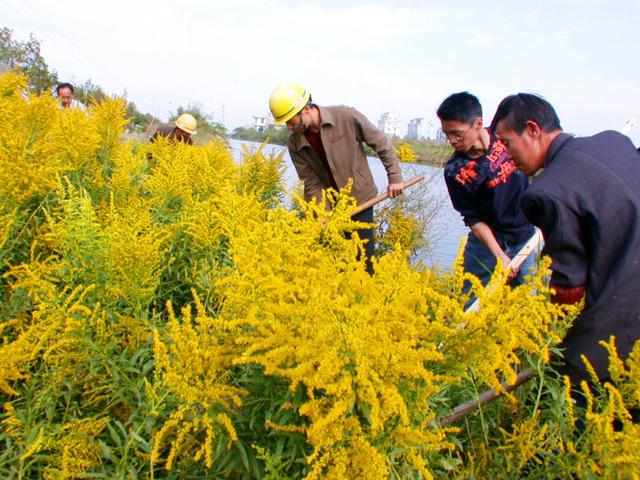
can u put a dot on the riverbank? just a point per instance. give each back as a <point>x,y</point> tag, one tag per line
<point>431,153</point>
<point>427,152</point>
<point>423,152</point>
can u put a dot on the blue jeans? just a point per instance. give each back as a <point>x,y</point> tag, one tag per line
<point>479,261</point>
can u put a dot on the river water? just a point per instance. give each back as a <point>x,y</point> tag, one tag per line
<point>447,227</point>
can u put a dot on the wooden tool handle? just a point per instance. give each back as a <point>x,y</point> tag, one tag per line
<point>385,195</point>
<point>462,410</point>
<point>517,260</point>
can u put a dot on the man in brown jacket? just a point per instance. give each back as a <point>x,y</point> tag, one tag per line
<point>325,145</point>
<point>181,130</point>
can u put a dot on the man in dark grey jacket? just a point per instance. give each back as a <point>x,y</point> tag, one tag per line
<point>326,148</point>
<point>586,201</point>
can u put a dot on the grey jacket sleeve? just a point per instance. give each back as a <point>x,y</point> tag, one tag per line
<point>564,239</point>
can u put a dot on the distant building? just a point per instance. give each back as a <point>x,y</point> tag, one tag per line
<point>260,122</point>
<point>389,123</point>
<point>416,129</point>
<point>440,136</point>
<point>431,129</point>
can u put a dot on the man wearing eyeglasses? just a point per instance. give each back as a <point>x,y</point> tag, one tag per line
<point>486,188</point>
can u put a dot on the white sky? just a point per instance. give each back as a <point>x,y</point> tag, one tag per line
<point>400,56</point>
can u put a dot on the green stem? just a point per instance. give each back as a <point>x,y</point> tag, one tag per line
<point>540,385</point>
<point>482,422</point>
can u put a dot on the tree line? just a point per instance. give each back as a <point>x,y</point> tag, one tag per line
<point>26,58</point>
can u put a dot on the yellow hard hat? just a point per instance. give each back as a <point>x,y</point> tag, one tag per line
<point>187,122</point>
<point>286,101</point>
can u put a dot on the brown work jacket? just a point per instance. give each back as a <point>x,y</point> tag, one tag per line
<point>169,132</point>
<point>342,130</point>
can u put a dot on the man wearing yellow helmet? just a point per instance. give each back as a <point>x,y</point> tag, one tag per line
<point>182,129</point>
<point>326,149</point>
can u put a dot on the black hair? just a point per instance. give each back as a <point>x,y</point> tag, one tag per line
<point>517,110</point>
<point>60,86</point>
<point>460,107</point>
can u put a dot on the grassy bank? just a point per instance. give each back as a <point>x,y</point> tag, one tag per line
<point>421,152</point>
<point>429,153</point>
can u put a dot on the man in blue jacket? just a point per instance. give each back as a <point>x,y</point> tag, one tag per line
<point>586,201</point>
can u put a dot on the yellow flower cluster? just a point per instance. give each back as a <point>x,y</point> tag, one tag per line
<point>405,152</point>
<point>282,353</point>
<point>79,453</point>
<point>196,365</point>
<point>611,445</point>
<point>186,424</point>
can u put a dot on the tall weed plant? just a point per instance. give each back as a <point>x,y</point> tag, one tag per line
<point>164,316</point>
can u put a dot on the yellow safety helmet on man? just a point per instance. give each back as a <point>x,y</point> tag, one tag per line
<point>287,100</point>
<point>187,123</point>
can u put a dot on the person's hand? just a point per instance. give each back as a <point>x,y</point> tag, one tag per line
<point>394,189</point>
<point>513,271</point>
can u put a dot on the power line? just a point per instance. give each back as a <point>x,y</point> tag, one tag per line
<point>61,38</point>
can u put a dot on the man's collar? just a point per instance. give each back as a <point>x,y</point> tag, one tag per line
<point>326,118</point>
<point>302,141</point>
<point>555,147</point>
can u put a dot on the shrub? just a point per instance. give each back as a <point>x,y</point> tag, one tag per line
<point>164,316</point>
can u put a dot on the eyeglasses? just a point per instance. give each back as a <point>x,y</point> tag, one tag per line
<point>455,136</point>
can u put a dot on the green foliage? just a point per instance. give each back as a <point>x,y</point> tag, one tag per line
<point>139,122</point>
<point>207,128</point>
<point>88,92</point>
<point>429,153</point>
<point>407,223</point>
<point>282,358</point>
<point>25,57</point>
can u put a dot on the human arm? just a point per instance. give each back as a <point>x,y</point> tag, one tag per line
<point>483,232</point>
<point>565,243</point>
<point>368,133</point>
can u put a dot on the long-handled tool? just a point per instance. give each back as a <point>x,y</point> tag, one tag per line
<point>462,410</point>
<point>516,261</point>
<point>385,195</point>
